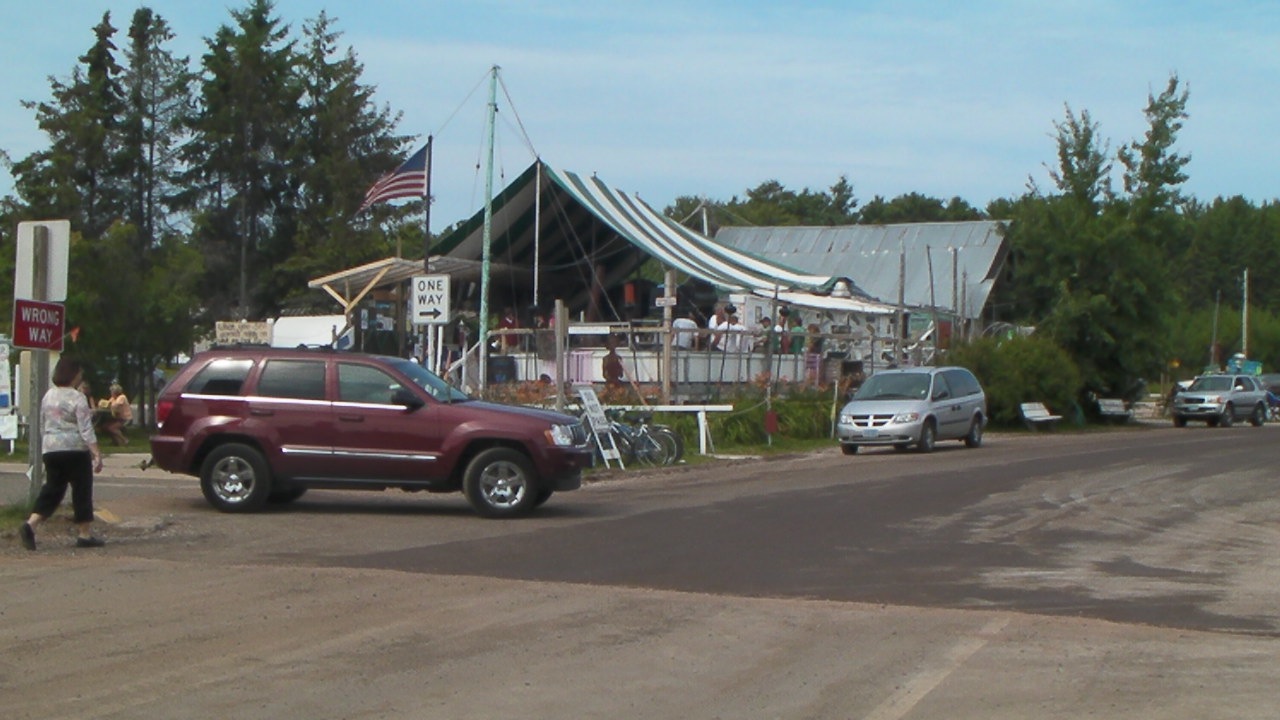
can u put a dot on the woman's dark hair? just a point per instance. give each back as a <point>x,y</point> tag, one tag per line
<point>64,373</point>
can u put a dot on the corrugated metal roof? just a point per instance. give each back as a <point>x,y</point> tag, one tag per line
<point>970,252</point>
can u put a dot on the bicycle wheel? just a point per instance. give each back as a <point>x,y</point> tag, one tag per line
<point>649,451</point>
<point>672,439</point>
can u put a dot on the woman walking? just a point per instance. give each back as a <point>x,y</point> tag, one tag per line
<point>71,455</point>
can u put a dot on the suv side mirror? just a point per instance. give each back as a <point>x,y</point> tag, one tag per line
<point>402,396</point>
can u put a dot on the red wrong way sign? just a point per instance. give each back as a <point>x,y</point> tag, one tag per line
<point>38,325</point>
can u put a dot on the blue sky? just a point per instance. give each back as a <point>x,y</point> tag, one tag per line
<point>666,98</point>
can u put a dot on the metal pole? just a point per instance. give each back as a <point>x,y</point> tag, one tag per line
<point>902,319</point>
<point>668,310</point>
<point>537,229</point>
<point>428,336</point>
<point>1244,318</point>
<point>488,236</point>
<point>39,379</point>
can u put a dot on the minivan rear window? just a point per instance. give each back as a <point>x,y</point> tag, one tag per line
<point>220,377</point>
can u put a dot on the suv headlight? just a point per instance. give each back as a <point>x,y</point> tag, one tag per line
<point>905,417</point>
<point>561,435</point>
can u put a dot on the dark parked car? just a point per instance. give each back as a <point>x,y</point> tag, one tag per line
<point>260,425</point>
<point>1221,399</point>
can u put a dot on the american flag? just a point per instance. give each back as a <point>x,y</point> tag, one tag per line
<point>408,180</point>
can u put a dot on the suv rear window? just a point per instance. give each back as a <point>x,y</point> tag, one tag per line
<point>298,379</point>
<point>220,377</point>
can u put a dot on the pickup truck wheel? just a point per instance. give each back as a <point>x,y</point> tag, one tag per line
<point>499,483</point>
<point>235,478</point>
<point>1179,421</point>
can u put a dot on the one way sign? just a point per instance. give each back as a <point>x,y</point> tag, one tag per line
<point>429,300</point>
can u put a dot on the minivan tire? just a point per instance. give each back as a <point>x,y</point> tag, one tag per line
<point>500,483</point>
<point>974,438</point>
<point>928,437</point>
<point>235,478</point>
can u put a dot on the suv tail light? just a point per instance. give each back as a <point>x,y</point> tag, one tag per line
<point>163,408</point>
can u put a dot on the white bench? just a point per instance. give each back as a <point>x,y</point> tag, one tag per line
<point>1114,409</point>
<point>1036,416</point>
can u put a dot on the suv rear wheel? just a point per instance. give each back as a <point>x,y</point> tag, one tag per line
<point>1259,416</point>
<point>235,478</point>
<point>499,483</point>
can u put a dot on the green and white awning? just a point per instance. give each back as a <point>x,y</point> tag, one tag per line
<point>593,235</point>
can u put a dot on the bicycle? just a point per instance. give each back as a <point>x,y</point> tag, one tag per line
<point>636,443</point>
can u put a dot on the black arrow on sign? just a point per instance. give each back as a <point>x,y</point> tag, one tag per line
<point>433,313</point>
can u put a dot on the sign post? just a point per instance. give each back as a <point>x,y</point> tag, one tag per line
<point>40,277</point>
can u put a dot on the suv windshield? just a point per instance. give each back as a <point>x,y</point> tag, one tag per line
<point>1211,383</point>
<point>429,381</point>
<point>894,386</point>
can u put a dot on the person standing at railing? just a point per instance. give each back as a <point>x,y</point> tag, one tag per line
<point>718,324</point>
<point>736,339</point>
<point>684,330</point>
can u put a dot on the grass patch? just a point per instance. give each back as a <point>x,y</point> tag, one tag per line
<point>139,442</point>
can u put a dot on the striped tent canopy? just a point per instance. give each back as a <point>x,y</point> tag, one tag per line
<point>592,238</point>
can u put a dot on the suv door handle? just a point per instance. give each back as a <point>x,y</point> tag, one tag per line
<point>351,418</point>
<point>261,411</point>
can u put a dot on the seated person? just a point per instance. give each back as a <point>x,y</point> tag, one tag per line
<point>121,415</point>
<point>611,366</point>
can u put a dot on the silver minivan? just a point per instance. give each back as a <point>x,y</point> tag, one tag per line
<point>914,407</point>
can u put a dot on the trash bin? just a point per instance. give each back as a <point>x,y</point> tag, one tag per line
<point>501,369</point>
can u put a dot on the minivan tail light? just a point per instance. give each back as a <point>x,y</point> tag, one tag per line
<point>163,408</point>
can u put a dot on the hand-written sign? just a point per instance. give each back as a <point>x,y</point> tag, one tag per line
<point>242,333</point>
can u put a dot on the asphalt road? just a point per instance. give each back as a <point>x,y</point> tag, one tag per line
<point>1130,573</point>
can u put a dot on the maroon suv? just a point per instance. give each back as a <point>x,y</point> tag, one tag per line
<point>260,425</point>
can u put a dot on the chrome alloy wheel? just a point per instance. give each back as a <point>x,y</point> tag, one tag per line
<point>503,484</point>
<point>232,479</point>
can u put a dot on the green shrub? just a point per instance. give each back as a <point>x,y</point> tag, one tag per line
<point>1018,370</point>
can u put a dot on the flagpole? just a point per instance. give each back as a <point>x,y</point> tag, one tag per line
<point>426,214</point>
<point>488,234</point>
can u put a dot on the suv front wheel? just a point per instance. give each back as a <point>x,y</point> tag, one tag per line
<point>499,483</point>
<point>235,478</point>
